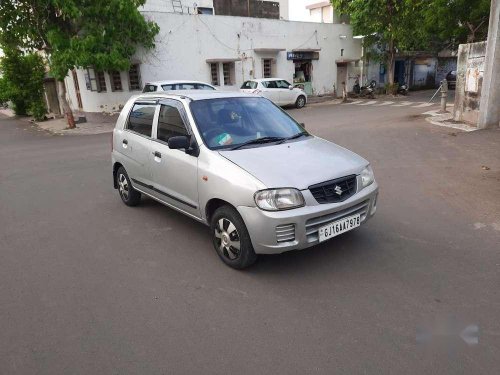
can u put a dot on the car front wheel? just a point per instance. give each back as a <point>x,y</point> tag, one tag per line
<point>231,239</point>
<point>300,102</point>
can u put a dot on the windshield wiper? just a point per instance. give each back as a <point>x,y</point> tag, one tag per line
<point>257,141</point>
<point>295,136</point>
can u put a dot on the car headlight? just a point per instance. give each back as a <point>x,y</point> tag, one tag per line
<point>279,199</point>
<point>367,176</point>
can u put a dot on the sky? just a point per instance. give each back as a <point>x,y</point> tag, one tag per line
<point>297,9</point>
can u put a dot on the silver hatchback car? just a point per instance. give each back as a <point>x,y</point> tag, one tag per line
<point>243,166</point>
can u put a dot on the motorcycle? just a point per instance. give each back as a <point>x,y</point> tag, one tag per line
<point>367,91</point>
<point>403,89</point>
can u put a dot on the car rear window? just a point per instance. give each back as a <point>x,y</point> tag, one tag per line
<point>140,119</point>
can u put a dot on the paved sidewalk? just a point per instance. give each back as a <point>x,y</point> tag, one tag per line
<point>60,126</point>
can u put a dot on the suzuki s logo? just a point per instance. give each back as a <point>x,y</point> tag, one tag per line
<point>338,190</point>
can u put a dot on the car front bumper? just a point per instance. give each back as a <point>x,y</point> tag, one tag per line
<point>296,229</point>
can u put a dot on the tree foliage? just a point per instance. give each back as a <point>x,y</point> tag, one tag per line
<point>78,33</point>
<point>389,26</point>
<point>22,82</point>
<point>103,34</point>
<point>451,22</point>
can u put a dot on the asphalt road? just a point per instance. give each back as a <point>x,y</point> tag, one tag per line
<point>90,286</point>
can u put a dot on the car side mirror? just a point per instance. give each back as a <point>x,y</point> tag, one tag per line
<point>290,87</point>
<point>186,143</point>
<point>178,142</point>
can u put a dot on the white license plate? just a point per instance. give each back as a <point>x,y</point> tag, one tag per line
<point>338,227</point>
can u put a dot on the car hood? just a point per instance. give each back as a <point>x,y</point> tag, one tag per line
<point>297,164</point>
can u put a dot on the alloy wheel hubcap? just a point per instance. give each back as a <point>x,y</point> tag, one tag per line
<point>227,239</point>
<point>301,102</point>
<point>123,186</point>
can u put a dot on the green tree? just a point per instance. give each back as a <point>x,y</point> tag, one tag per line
<point>22,82</point>
<point>451,22</point>
<point>389,26</point>
<point>103,34</point>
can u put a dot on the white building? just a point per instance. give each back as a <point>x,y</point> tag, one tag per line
<point>206,42</point>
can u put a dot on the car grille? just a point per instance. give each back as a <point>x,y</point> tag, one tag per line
<point>313,225</point>
<point>285,233</point>
<point>334,191</point>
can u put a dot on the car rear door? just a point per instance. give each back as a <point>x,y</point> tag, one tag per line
<point>136,142</point>
<point>270,90</point>
<point>174,172</point>
<point>249,87</point>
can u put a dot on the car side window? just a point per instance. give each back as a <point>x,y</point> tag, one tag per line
<point>283,84</point>
<point>140,119</point>
<point>168,87</point>
<point>200,86</point>
<point>186,86</point>
<point>149,88</point>
<point>270,84</point>
<point>170,123</point>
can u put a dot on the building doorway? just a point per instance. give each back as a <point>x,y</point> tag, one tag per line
<point>51,96</point>
<point>302,76</point>
<point>399,72</point>
<point>77,89</point>
<point>342,79</point>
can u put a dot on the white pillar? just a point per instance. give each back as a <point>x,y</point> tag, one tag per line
<point>489,109</point>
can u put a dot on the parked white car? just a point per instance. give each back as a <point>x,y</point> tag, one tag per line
<point>278,90</point>
<point>176,85</point>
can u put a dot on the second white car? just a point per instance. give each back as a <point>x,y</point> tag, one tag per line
<point>278,90</point>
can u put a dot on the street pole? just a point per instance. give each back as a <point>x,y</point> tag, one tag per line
<point>444,95</point>
<point>489,108</point>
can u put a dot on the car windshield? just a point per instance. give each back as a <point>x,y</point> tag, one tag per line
<point>225,123</point>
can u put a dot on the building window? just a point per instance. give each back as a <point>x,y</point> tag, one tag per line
<point>214,73</point>
<point>90,80</point>
<point>205,10</point>
<point>267,68</point>
<point>101,82</point>
<point>116,81</point>
<point>228,73</point>
<point>134,78</point>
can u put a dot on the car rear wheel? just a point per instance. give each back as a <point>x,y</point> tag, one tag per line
<point>128,194</point>
<point>231,239</point>
<point>300,102</point>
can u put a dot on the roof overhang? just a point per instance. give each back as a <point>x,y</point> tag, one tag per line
<point>345,61</point>
<point>222,60</point>
<point>318,5</point>
<point>306,50</point>
<point>268,50</point>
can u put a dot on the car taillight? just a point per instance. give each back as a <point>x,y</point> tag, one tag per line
<point>112,140</point>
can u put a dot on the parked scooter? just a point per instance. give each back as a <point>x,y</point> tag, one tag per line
<point>367,91</point>
<point>403,89</point>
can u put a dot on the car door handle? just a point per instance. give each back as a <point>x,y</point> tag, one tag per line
<point>157,154</point>
<point>125,142</point>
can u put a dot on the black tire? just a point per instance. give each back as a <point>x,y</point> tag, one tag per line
<point>128,194</point>
<point>300,102</point>
<point>224,238</point>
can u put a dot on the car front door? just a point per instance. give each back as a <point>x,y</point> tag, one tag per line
<point>174,172</point>
<point>287,96</point>
<point>135,143</point>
